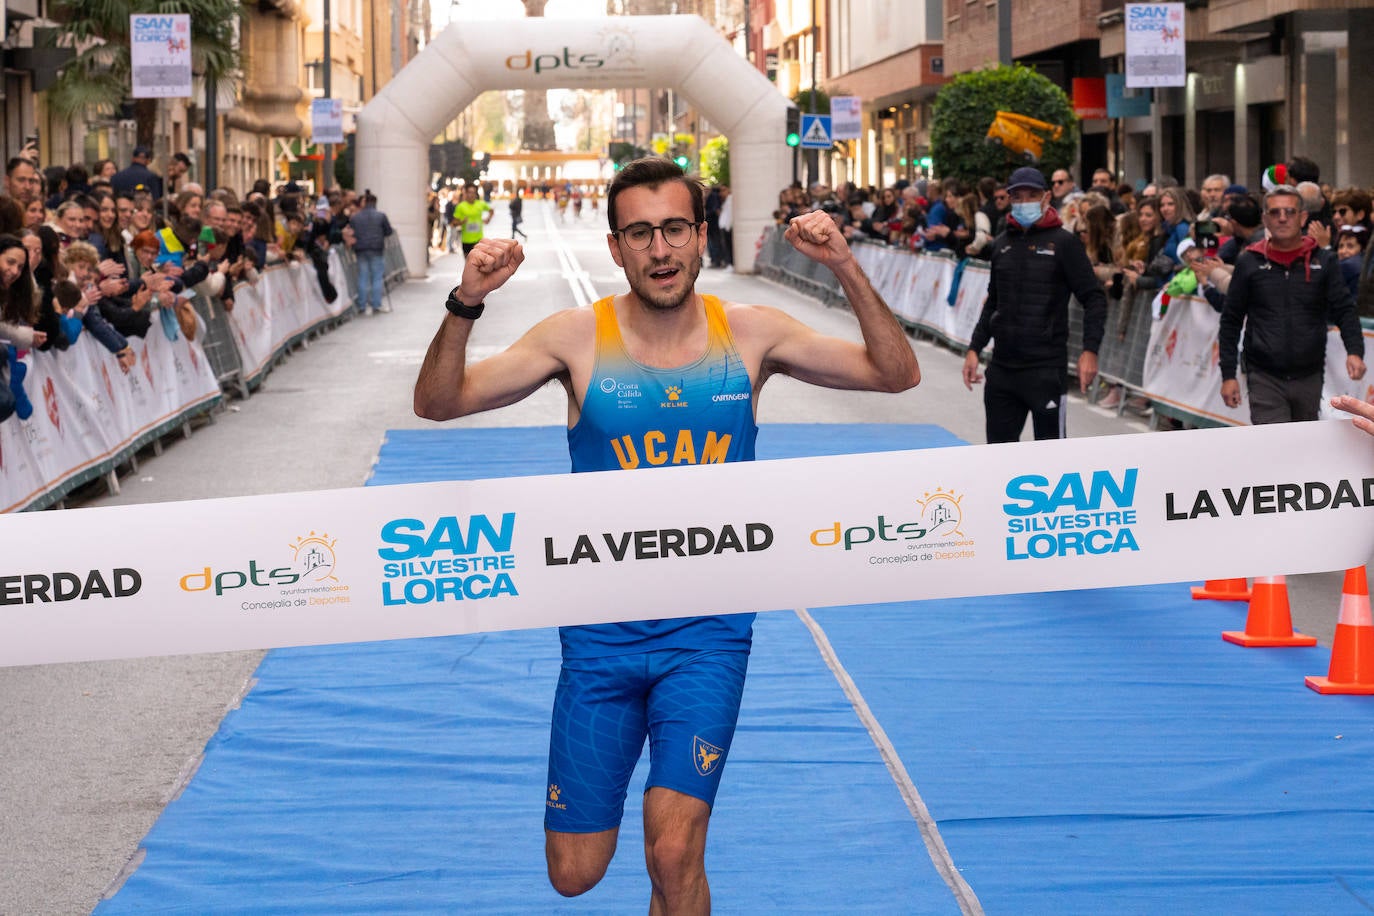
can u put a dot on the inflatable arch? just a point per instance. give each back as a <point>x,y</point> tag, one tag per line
<point>679,52</point>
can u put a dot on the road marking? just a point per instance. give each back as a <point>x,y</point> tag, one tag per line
<point>930,831</point>
<point>578,279</point>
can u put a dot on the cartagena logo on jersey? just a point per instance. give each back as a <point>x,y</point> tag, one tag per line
<point>706,756</point>
<point>932,530</point>
<point>1077,514</point>
<point>449,559</point>
<point>309,577</point>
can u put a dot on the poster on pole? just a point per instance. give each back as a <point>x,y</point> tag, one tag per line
<point>1154,45</point>
<point>326,121</point>
<point>846,117</point>
<point>160,56</point>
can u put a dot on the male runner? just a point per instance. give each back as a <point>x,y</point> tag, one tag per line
<point>699,364</point>
<point>470,217</point>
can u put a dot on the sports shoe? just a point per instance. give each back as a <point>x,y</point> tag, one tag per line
<point>384,308</point>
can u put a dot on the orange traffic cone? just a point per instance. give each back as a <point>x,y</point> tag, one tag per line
<point>1223,590</point>
<point>1352,651</point>
<point>1269,622</point>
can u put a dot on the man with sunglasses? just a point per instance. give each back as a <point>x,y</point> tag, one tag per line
<point>657,376</point>
<point>1061,186</point>
<point>1286,291</point>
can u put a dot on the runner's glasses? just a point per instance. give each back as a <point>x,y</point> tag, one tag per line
<point>639,236</point>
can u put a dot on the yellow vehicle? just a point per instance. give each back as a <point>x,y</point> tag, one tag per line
<point>1021,135</point>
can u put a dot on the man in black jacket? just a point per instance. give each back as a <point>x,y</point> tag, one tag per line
<point>1287,292</point>
<point>1036,265</point>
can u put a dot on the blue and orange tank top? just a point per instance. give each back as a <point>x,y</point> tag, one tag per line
<point>636,416</point>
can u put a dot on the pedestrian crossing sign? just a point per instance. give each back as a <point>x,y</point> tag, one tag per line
<point>815,131</point>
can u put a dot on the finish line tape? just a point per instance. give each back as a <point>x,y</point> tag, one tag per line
<point>473,556</point>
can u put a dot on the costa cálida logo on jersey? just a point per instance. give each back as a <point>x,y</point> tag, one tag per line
<point>627,394</point>
<point>932,530</point>
<point>1078,514</point>
<point>307,576</point>
<point>448,559</point>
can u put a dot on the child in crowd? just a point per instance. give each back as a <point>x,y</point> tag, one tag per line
<point>1351,242</point>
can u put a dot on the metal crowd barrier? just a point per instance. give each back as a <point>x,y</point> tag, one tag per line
<point>219,342</point>
<point>1121,359</point>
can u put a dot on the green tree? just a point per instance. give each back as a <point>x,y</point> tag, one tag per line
<point>622,152</point>
<point>99,79</point>
<point>803,102</point>
<point>964,110</point>
<point>715,161</point>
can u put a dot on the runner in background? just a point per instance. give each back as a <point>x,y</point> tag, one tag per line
<point>517,215</point>
<point>470,216</point>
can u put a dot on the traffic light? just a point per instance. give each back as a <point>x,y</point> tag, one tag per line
<point>793,126</point>
<point>682,162</point>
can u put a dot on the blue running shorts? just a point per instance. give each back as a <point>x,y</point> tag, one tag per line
<point>686,702</point>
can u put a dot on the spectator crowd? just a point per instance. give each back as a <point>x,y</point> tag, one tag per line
<point>122,253</point>
<point>1156,237</point>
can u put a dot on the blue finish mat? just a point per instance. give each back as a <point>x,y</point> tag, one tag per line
<point>1081,752</point>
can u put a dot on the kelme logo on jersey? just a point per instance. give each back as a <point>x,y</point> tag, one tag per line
<point>1075,515</point>
<point>451,559</point>
<point>672,397</point>
<point>706,756</point>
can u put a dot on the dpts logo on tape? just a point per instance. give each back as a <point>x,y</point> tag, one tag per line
<point>1071,517</point>
<point>447,561</point>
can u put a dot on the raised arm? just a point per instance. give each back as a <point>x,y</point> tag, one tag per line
<point>447,386</point>
<point>883,362</point>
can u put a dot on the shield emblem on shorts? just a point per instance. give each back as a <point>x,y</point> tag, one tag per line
<point>706,756</point>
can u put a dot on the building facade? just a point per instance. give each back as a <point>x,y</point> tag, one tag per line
<point>262,119</point>
<point>1267,80</point>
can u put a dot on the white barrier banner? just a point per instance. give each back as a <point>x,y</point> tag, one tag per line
<point>465,557</point>
<point>1182,363</point>
<point>85,409</point>
<point>1183,369</point>
<point>284,303</point>
<point>968,304</point>
<point>916,287</point>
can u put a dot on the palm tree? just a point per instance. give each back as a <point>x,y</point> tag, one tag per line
<point>98,80</point>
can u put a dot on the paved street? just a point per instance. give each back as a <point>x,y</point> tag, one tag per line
<point>92,752</point>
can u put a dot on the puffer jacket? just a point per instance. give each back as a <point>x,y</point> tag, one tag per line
<point>370,229</point>
<point>1286,302</point>
<point>1034,271</point>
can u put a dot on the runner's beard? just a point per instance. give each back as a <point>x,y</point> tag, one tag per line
<point>666,300</point>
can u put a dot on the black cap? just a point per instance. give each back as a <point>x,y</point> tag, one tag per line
<point>1027,177</point>
<point>142,152</point>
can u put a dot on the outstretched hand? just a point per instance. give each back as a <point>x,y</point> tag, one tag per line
<point>1362,412</point>
<point>815,235</point>
<point>488,267</point>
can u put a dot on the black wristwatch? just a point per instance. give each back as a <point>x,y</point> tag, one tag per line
<point>456,306</point>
